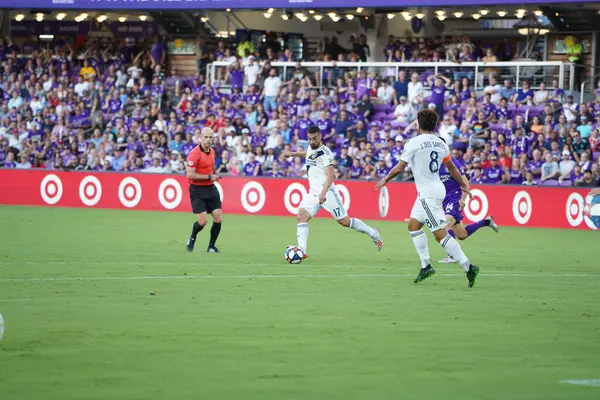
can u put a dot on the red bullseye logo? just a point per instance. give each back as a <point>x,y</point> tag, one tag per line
<point>130,192</point>
<point>90,191</point>
<point>253,197</point>
<point>293,196</point>
<point>170,193</point>
<point>384,202</point>
<point>477,207</point>
<point>51,189</point>
<point>345,195</point>
<point>522,207</point>
<point>574,209</point>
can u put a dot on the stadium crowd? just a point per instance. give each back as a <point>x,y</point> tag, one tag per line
<point>115,107</point>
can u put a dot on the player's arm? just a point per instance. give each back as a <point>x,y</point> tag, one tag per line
<point>394,172</point>
<point>328,182</point>
<point>287,154</point>
<point>463,198</point>
<point>464,184</point>
<point>193,175</point>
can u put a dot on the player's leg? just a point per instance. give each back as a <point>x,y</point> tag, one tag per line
<point>415,228</point>
<point>199,208</point>
<point>462,232</point>
<point>215,230</point>
<point>304,215</point>
<point>199,224</point>
<point>458,230</point>
<point>334,205</point>
<point>452,247</point>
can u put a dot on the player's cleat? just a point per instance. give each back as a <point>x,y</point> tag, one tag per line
<point>425,273</point>
<point>304,258</point>
<point>493,223</point>
<point>190,244</point>
<point>447,260</point>
<point>212,249</point>
<point>472,274</point>
<point>378,242</point>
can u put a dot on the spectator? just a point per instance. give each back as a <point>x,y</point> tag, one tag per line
<point>550,169</point>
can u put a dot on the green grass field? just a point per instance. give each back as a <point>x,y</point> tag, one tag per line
<point>348,323</point>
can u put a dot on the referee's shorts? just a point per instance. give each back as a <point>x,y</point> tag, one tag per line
<point>204,198</point>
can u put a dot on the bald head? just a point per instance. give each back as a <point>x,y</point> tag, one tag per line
<point>206,138</point>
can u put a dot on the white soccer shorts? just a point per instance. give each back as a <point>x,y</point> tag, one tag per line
<point>429,212</point>
<point>333,204</point>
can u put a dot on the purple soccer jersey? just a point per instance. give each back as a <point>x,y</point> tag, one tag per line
<point>453,191</point>
<point>493,175</point>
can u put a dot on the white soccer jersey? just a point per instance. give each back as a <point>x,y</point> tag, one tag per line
<point>425,154</point>
<point>316,162</point>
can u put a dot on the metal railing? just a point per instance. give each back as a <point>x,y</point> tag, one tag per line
<point>477,72</point>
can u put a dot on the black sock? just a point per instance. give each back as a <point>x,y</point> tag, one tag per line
<point>486,222</point>
<point>214,233</point>
<point>196,228</point>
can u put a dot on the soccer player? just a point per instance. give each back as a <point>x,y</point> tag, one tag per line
<point>323,193</point>
<point>204,196</point>
<point>453,204</point>
<point>426,153</point>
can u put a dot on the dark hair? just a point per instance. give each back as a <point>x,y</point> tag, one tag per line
<point>428,120</point>
<point>314,129</point>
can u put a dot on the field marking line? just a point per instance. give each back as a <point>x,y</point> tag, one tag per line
<point>269,276</point>
<point>582,382</point>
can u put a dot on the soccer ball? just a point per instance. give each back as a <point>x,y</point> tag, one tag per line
<point>294,255</point>
<point>1,327</point>
<point>591,212</point>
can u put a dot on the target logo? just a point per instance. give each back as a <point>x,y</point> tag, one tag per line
<point>169,193</point>
<point>477,206</point>
<point>574,209</point>
<point>253,197</point>
<point>90,191</point>
<point>51,189</point>
<point>130,192</point>
<point>345,195</point>
<point>219,189</point>
<point>384,202</point>
<point>522,207</point>
<point>292,198</point>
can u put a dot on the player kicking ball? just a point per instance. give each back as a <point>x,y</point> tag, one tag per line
<point>323,193</point>
<point>426,153</point>
<point>453,204</point>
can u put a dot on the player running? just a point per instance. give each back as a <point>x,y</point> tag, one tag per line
<point>425,153</point>
<point>453,204</point>
<point>323,193</point>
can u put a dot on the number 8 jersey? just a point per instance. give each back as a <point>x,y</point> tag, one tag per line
<point>425,154</point>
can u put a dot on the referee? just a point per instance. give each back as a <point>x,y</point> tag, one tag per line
<point>204,196</point>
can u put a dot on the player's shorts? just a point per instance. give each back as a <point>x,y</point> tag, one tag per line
<point>204,198</point>
<point>429,212</point>
<point>452,208</point>
<point>333,204</point>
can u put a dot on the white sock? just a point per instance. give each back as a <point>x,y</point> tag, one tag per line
<point>302,235</point>
<point>420,241</point>
<point>453,248</point>
<point>360,226</point>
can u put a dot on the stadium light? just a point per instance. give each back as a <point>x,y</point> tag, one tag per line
<point>441,17</point>
<point>484,12</point>
<point>420,15</point>
<point>81,17</point>
<point>285,16</point>
<point>46,37</point>
<point>359,10</point>
<point>440,12</point>
<point>60,16</point>
<point>458,14</point>
<point>349,17</point>
<point>143,18</point>
<point>101,18</point>
<point>205,19</point>
<point>391,16</point>
<point>476,16</point>
<point>19,17</point>
<point>406,15</point>
<point>318,17</point>
<point>267,15</point>
<point>122,19</point>
<point>299,15</point>
<point>538,13</point>
<point>501,13</point>
<point>311,12</point>
<point>228,10</point>
<point>271,10</point>
<point>39,17</point>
